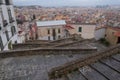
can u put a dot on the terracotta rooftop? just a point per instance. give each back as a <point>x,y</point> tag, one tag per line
<point>115,28</point>
<point>117,34</point>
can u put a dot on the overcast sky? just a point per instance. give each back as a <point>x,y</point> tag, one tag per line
<point>66,2</point>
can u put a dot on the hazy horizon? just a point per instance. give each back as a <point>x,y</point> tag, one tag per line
<point>60,3</point>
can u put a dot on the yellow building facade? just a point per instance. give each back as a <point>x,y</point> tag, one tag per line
<point>113,35</point>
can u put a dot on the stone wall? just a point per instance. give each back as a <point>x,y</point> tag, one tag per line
<point>47,51</point>
<point>75,65</point>
<point>66,40</point>
<point>75,43</point>
<point>50,44</point>
<point>31,45</point>
<point>56,41</point>
<point>37,41</point>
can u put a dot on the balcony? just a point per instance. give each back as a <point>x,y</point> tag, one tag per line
<point>12,20</point>
<point>5,23</point>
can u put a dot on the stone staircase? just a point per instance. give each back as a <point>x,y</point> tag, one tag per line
<point>90,67</point>
<point>75,65</point>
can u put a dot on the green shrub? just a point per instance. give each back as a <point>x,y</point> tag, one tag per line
<point>70,71</point>
<point>10,45</point>
<point>104,41</point>
<point>107,43</point>
<point>76,69</point>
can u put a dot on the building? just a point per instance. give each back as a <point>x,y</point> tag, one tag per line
<point>100,33</point>
<point>51,30</point>
<point>33,35</point>
<point>113,35</point>
<point>8,26</point>
<point>86,31</point>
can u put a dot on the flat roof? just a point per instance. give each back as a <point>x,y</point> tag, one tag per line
<point>84,23</point>
<point>50,23</point>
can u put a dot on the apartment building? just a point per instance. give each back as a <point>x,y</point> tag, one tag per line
<point>8,25</point>
<point>51,30</point>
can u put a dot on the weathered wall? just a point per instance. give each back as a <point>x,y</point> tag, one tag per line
<point>58,43</point>
<point>65,40</point>
<point>100,33</point>
<point>87,32</point>
<point>37,41</point>
<point>47,51</point>
<point>73,65</point>
<point>110,37</point>
<point>43,32</point>
<point>31,46</point>
<point>75,43</point>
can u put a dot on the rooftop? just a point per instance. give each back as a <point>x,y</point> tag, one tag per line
<point>115,28</point>
<point>85,24</point>
<point>50,23</point>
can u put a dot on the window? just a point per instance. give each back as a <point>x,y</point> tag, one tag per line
<point>58,30</point>
<point>80,29</point>
<point>7,2</point>
<point>54,34</point>
<point>0,27</point>
<point>48,31</point>
<point>59,37</point>
<point>48,37</point>
<point>2,16</point>
<point>10,15</point>
<point>7,35</point>
<point>1,43</point>
<point>13,30</point>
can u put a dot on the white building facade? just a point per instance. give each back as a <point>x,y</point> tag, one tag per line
<point>8,25</point>
<point>100,33</point>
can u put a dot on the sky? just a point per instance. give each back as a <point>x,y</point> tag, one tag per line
<point>66,2</point>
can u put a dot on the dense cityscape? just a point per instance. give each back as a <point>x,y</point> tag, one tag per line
<point>102,16</point>
<point>60,42</point>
